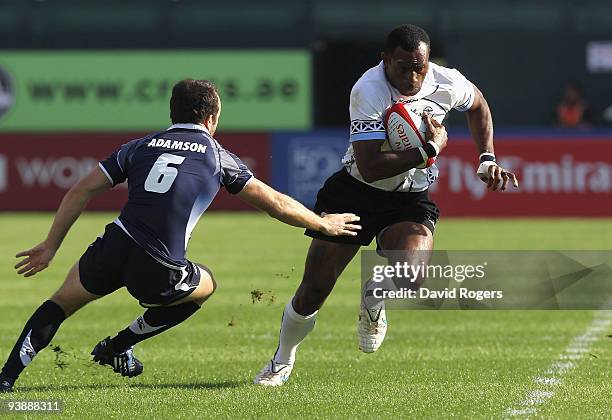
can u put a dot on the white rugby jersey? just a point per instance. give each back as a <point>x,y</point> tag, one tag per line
<point>443,89</point>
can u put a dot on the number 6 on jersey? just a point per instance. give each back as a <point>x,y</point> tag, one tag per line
<point>161,177</point>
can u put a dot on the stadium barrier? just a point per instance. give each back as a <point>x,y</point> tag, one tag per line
<point>560,175</point>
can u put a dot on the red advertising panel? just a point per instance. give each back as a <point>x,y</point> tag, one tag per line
<point>558,177</point>
<point>37,169</point>
<point>254,150</point>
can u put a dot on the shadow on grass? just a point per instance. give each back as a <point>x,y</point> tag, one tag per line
<point>197,385</point>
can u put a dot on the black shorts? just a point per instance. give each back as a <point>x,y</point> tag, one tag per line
<point>114,260</point>
<point>342,193</point>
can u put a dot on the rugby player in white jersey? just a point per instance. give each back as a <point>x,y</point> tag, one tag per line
<point>384,187</point>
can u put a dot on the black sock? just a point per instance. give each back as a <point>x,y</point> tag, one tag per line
<point>154,321</point>
<point>36,335</point>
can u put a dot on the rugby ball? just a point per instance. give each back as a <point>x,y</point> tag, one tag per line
<point>405,130</point>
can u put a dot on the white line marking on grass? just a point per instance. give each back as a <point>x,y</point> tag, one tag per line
<point>570,356</point>
<point>575,351</point>
<point>547,381</point>
<point>523,412</point>
<point>538,397</point>
<point>561,367</point>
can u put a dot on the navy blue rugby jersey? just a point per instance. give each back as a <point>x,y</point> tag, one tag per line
<point>172,177</point>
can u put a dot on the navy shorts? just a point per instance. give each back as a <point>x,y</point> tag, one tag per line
<point>377,209</point>
<point>114,260</point>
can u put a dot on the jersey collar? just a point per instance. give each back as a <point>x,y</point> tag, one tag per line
<point>188,126</point>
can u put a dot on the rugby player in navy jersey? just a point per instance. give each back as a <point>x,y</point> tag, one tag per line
<point>173,177</point>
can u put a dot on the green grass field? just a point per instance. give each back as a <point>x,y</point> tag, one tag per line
<point>434,364</point>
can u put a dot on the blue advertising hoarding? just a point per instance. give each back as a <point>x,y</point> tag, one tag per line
<point>303,161</point>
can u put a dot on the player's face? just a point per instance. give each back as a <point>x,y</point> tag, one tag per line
<point>407,69</point>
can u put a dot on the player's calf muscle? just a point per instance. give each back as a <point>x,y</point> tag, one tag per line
<point>324,264</point>
<point>309,298</point>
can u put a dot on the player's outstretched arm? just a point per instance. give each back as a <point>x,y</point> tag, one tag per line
<point>291,212</point>
<point>481,126</point>
<point>73,203</point>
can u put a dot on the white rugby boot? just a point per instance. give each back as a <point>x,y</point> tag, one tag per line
<point>273,374</point>
<point>372,327</point>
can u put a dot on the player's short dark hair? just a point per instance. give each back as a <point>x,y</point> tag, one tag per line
<point>193,101</point>
<point>409,37</point>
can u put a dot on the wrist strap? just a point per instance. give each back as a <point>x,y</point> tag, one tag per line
<point>431,149</point>
<point>487,157</point>
<point>423,154</point>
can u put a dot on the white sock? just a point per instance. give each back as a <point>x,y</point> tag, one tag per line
<point>294,329</point>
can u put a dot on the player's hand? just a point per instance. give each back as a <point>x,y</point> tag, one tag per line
<point>340,224</point>
<point>436,132</point>
<point>37,259</point>
<point>495,176</point>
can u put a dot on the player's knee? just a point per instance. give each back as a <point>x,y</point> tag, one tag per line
<point>213,286</point>
<point>207,280</point>
<point>406,236</point>
<point>206,288</point>
<point>200,301</point>
<point>207,291</point>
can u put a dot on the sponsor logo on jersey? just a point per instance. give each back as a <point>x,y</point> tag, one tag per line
<point>177,145</point>
<point>405,101</point>
<point>425,111</point>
